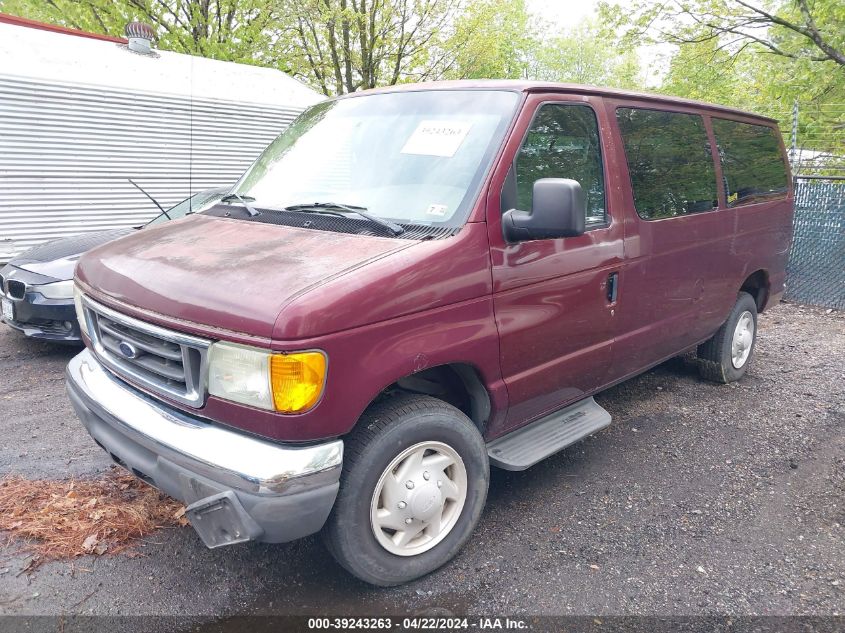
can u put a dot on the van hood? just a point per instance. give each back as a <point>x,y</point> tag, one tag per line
<point>222,272</point>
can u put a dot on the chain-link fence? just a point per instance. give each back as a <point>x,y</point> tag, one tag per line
<point>817,139</point>
<point>814,134</point>
<point>816,269</point>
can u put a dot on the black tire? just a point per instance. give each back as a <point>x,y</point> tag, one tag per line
<point>715,359</point>
<point>383,433</point>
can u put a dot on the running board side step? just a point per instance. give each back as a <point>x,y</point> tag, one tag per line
<point>534,442</point>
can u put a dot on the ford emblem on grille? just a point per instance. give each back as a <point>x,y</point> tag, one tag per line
<point>128,350</point>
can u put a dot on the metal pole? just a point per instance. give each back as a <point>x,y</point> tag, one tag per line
<point>793,149</point>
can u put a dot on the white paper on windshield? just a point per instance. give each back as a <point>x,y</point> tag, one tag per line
<point>437,138</point>
<point>437,209</point>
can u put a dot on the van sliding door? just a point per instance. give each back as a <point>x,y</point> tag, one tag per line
<point>677,240</point>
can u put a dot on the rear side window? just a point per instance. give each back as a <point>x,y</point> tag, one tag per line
<point>563,142</point>
<point>669,161</point>
<point>752,163</point>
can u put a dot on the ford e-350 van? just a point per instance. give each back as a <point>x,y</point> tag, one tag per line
<point>412,284</point>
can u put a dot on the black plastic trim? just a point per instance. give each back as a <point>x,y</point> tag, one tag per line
<point>330,222</point>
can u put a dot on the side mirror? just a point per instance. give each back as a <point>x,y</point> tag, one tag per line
<point>558,210</point>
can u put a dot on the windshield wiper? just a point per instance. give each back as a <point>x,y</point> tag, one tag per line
<point>243,200</point>
<point>394,228</point>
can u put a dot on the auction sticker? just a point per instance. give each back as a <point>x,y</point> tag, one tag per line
<point>437,209</point>
<point>437,138</point>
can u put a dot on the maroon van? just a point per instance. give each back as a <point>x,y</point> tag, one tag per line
<point>412,284</point>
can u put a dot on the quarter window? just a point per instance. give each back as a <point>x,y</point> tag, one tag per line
<point>563,142</point>
<point>669,161</point>
<point>752,163</point>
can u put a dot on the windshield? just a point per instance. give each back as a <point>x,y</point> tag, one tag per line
<point>196,203</point>
<point>412,157</point>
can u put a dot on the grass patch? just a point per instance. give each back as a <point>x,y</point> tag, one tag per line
<point>59,520</point>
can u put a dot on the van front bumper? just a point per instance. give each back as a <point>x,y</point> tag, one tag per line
<point>236,487</point>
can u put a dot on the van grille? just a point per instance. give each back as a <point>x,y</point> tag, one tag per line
<point>164,361</point>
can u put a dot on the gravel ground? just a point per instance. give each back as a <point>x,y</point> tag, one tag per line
<point>698,499</point>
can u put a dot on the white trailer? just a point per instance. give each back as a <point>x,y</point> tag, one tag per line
<point>80,114</point>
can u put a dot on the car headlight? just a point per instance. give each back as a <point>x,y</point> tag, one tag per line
<point>56,290</point>
<point>288,383</point>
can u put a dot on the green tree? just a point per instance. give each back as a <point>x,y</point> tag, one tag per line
<point>706,72</point>
<point>342,46</point>
<point>763,57</point>
<point>734,53</point>
<point>793,29</point>
<point>492,39</point>
<point>586,55</point>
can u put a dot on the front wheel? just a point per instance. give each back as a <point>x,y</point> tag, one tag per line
<point>414,483</point>
<point>725,357</point>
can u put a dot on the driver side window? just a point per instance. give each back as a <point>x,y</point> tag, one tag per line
<point>563,142</point>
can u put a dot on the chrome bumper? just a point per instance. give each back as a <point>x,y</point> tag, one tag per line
<point>236,487</point>
<point>235,459</point>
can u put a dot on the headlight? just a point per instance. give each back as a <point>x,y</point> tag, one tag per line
<point>56,290</point>
<point>80,312</point>
<point>288,383</point>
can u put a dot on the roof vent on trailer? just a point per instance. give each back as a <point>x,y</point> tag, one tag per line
<point>140,37</point>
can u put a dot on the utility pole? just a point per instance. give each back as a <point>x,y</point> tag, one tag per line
<point>793,146</point>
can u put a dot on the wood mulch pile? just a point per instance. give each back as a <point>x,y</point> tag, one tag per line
<point>58,520</point>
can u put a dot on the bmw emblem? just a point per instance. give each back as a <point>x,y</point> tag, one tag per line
<point>128,350</point>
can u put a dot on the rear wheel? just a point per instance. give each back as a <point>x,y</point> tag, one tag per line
<point>725,357</point>
<point>414,483</point>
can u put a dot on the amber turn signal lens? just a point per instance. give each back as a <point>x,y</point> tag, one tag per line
<point>297,380</point>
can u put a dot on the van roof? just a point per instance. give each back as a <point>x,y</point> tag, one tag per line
<point>519,85</point>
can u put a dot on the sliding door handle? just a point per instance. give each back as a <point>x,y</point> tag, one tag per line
<point>612,287</point>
